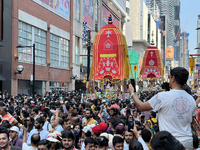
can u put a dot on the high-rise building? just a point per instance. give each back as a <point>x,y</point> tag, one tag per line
<point>170,9</point>
<point>198,39</point>
<point>184,60</point>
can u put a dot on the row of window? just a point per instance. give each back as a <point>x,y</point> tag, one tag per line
<point>59,47</point>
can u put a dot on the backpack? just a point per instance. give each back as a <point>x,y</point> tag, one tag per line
<point>155,126</point>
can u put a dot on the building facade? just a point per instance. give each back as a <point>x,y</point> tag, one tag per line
<point>198,39</point>
<point>5,45</point>
<point>184,61</point>
<point>49,27</point>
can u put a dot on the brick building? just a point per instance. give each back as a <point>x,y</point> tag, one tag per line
<point>49,26</point>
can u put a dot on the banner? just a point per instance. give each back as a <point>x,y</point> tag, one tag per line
<point>60,6</point>
<point>169,53</point>
<point>106,14</point>
<point>88,12</point>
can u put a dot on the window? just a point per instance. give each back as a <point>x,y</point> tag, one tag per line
<point>77,53</point>
<point>78,10</point>
<point>59,51</point>
<point>1,19</point>
<point>84,58</point>
<point>127,10</point>
<point>40,46</point>
<point>28,35</point>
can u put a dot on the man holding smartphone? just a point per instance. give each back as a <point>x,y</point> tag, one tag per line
<point>176,108</point>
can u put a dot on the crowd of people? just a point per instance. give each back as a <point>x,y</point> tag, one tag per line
<point>56,121</point>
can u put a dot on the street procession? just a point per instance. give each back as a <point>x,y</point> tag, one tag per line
<point>99,75</point>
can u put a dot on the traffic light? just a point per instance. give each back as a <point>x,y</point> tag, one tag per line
<point>192,62</point>
<point>191,71</point>
<point>135,68</point>
<point>84,79</point>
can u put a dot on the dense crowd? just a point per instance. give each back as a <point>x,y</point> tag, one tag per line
<point>62,120</point>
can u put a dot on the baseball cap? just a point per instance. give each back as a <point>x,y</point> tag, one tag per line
<point>58,134</point>
<point>52,137</point>
<point>32,105</point>
<point>103,126</point>
<point>103,101</point>
<point>14,128</point>
<point>96,129</point>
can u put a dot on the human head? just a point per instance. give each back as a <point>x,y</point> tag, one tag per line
<point>165,141</point>
<point>135,145</point>
<point>89,143</point>
<point>13,132</point>
<point>75,120</point>
<point>135,113</point>
<point>178,76</point>
<point>2,108</point>
<point>4,138</point>
<point>101,143</point>
<point>34,111</point>
<point>153,114</point>
<point>146,135</point>
<point>57,121</point>
<point>113,111</point>
<point>88,113</point>
<point>67,124</point>
<point>118,143</point>
<point>35,138</point>
<point>86,131</point>
<point>130,118</point>
<point>120,129</point>
<point>128,136</point>
<point>71,115</point>
<point>44,145</point>
<point>97,110</point>
<point>30,120</point>
<point>68,140</point>
<point>43,115</point>
<point>96,131</point>
<point>77,127</point>
<point>39,122</point>
<point>103,126</point>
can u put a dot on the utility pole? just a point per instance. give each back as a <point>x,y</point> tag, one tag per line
<point>88,55</point>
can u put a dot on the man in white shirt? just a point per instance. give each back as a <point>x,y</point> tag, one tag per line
<point>35,138</point>
<point>176,108</point>
<point>39,122</point>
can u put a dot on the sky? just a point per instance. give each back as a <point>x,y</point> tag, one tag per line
<point>189,12</point>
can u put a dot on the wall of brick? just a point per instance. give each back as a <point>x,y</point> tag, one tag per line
<point>45,72</point>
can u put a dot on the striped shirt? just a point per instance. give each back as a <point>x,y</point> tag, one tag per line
<point>8,117</point>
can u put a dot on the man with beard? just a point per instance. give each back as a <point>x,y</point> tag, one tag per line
<point>128,137</point>
<point>66,126</point>
<point>68,140</point>
<point>89,119</point>
<point>39,122</point>
<point>4,140</point>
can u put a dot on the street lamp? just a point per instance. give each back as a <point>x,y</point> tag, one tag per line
<point>22,46</point>
<point>20,68</point>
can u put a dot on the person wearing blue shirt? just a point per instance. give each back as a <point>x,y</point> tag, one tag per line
<point>39,122</point>
<point>57,124</point>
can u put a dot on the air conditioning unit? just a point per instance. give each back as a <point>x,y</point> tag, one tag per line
<point>83,70</point>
